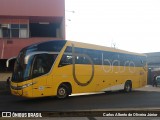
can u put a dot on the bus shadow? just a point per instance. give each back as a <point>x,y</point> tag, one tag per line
<point>86,96</point>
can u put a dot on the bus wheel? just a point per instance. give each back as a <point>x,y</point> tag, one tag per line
<point>62,92</point>
<point>128,87</point>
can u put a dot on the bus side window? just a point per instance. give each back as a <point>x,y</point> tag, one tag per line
<point>65,60</point>
<point>96,57</point>
<point>81,60</point>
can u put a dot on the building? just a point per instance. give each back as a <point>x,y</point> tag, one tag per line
<point>153,60</point>
<point>24,22</point>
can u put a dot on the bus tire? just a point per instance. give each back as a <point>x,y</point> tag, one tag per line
<point>128,87</point>
<point>62,92</point>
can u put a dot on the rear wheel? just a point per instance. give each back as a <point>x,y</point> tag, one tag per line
<point>62,92</point>
<point>128,87</point>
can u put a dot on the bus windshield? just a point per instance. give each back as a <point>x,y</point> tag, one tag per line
<point>19,67</point>
<point>39,63</point>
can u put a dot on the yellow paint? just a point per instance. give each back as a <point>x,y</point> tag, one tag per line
<point>104,76</point>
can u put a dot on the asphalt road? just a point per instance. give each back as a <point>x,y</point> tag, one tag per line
<point>145,98</point>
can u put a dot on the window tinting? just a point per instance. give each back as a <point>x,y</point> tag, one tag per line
<point>6,33</point>
<point>65,60</point>
<point>81,60</point>
<point>42,64</point>
<point>109,58</point>
<point>15,30</point>
<point>93,54</point>
<point>54,46</point>
<point>68,49</point>
<point>15,33</point>
<point>23,25</point>
<point>16,26</point>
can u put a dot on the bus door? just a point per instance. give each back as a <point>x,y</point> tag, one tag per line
<point>39,75</point>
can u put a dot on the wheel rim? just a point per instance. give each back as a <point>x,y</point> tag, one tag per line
<point>128,87</point>
<point>62,92</point>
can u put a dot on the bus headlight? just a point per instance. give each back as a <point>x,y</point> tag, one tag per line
<point>27,85</point>
<point>22,87</point>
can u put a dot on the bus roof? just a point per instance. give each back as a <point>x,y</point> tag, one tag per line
<point>104,48</point>
<point>88,46</point>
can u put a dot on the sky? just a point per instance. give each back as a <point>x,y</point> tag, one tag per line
<point>132,25</point>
